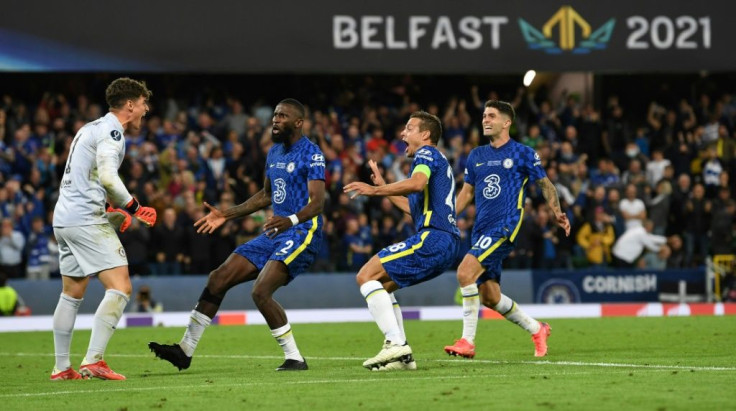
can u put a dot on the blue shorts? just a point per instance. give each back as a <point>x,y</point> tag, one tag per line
<point>490,248</point>
<point>419,258</point>
<point>297,248</point>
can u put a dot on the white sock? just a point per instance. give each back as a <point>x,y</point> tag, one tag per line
<point>471,307</point>
<point>106,319</point>
<point>511,311</point>
<point>64,317</point>
<point>198,322</point>
<point>380,307</point>
<point>285,338</point>
<point>399,316</point>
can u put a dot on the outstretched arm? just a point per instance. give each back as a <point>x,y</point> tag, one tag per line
<point>550,194</point>
<point>400,202</point>
<point>212,221</point>
<point>414,184</point>
<point>256,202</point>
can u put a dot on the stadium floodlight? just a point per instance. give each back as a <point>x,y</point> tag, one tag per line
<point>529,77</point>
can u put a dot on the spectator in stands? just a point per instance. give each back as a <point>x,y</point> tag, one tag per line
<point>590,134</point>
<point>722,228</point>
<point>596,238</point>
<point>546,248</point>
<point>533,138</point>
<point>712,170</point>
<point>633,209</point>
<point>12,242</point>
<point>358,245</point>
<point>618,134</point>
<point>137,244</point>
<point>38,252</point>
<point>168,245</point>
<point>680,195</point>
<point>324,262</point>
<point>658,206</point>
<point>628,248</point>
<point>144,302</point>
<point>10,301</point>
<point>655,260</point>
<point>613,200</point>
<point>607,174</point>
<point>697,222</point>
<point>522,257</point>
<point>635,175</point>
<point>677,252</point>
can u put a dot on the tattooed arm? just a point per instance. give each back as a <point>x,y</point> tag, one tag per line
<point>550,194</point>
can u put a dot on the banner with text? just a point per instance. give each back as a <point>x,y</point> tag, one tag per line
<point>587,286</point>
<point>380,36</point>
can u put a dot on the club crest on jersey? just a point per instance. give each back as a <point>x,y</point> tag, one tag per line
<point>116,135</point>
<point>290,167</point>
<point>508,163</point>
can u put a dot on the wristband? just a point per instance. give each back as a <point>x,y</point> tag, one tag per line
<point>132,206</point>
<point>294,219</point>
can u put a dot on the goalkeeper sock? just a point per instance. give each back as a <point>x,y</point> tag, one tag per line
<point>64,317</point>
<point>285,338</point>
<point>380,307</point>
<point>471,307</point>
<point>198,322</point>
<point>106,319</point>
<point>508,308</point>
<point>398,314</point>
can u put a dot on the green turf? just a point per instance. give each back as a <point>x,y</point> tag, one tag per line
<point>613,363</point>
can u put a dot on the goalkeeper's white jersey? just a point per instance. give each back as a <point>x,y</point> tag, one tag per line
<point>98,148</point>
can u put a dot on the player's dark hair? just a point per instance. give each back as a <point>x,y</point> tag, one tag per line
<point>124,89</point>
<point>430,123</point>
<point>503,107</point>
<point>301,112</point>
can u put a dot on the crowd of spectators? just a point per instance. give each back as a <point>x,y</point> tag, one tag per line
<point>670,172</point>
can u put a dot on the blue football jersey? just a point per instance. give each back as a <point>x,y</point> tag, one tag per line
<point>499,176</point>
<point>434,207</point>
<point>290,171</point>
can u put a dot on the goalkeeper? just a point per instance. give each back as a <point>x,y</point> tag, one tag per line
<point>83,226</point>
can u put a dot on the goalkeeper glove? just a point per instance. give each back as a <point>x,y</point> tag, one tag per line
<point>146,215</point>
<point>118,218</point>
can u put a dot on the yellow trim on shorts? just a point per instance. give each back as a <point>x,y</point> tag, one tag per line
<point>406,252</point>
<point>492,249</point>
<point>304,245</point>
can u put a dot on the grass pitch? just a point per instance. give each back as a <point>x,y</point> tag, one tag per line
<point>668,363</point>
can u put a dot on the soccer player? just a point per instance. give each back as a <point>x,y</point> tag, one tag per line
<point>431,203</point>
<point>88,244</point>
<point>496,176</point>
<point>295,186</point>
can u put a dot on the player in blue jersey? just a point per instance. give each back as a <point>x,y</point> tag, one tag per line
<point>294,185</point>
<point>431,203</point>
<point>496,175</point>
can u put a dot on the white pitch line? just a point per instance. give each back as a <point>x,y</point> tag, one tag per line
<point>457,361</point>
<point>188,387</point>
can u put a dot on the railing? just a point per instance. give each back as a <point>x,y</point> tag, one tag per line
<point>719,268</point>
